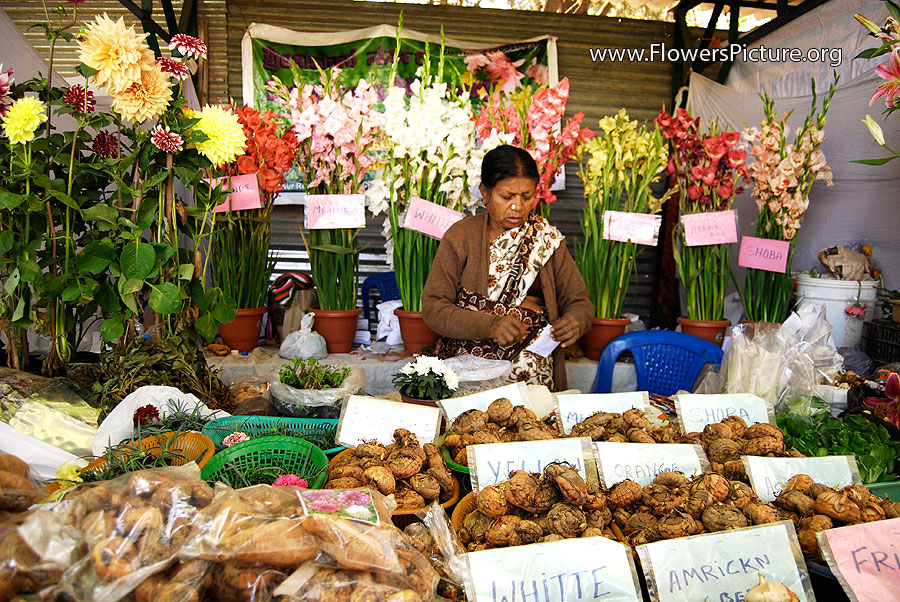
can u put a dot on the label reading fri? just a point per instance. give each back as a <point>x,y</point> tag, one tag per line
<point>639,228</point>
<point>327,211</point>
<point>865,558</point>
<point>723,566</point>
<point>718,227</point>
<point>491,463</point>
<point>455,406</point>
<point>573,408</point>
<point>592,568</point>
<point>366,418</point>
<point>429,218</point>
<point>764,254</point>
<point>641,462</point>
<point>244,193</point>
<point>768,475</point>
<point>695,411</point>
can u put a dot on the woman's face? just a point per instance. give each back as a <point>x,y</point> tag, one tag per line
<point>509,202</point>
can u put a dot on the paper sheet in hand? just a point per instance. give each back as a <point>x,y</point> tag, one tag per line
<point>544,344</point>
<point>367,418</point>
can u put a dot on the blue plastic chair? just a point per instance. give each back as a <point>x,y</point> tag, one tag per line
<point>386,283</point>
<point>665,361</point>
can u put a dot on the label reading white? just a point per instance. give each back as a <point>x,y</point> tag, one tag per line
<point>695,411</point>
<point>641,462</point>
<point>367,418</point>
<point>455,406</point>
<point>491,463</point>
<point>592,568</point>
<point>768,475</point>
<point>572,408</point>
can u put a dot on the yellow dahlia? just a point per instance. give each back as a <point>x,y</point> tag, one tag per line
<point>23,118</point>
<point>145,99</point>
<point>225,135</point>
<point>116,52</point>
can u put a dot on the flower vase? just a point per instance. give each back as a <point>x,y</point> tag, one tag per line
<point>338,327</point>
<point>603,330</point>
<point>711,330</point>
<point>415,332</point>
<point>242,333</point>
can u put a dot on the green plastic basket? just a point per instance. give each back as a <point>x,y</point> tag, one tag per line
<point>453,465</point>
<point>294,456</point>
<point>259,426</point>
<point>891,488</point>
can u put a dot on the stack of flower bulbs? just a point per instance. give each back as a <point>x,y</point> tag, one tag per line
<point>631,426</point>
<point>726,441</point>
<point>415,474</point>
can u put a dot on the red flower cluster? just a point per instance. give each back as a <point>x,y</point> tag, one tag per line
<point>105,145</point>
<point>708,167</point>
<point>78,99</point>
<point>271,148</point>
<point>144,415</point>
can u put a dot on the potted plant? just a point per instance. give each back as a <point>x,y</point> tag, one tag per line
<point>708,169</point>
<point>617,174</point>
<point>307,388</point>
<point>242,265</point>
<point>437,162</point>
<point>426,380</point>
<point>336,130</point>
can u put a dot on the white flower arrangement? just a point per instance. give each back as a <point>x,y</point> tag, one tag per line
<point>426,378</point>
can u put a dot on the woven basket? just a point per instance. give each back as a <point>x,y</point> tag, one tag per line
<point>462,510</point>
<point>293,455</point>
<point>260,426</point>
<point>190,446</point>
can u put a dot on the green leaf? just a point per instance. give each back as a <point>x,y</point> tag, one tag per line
<point>19,312</point>
<point>165,298</point>
<point>63,198</point>
<point>6,241</point>
<point>100,213</point>
<point>155,180</point>
<point>30,270</point>
<point>10,200</point>
<point>163,252</point>
<point>96,257</point>
<point>130,285</point>
<point>206,326</point>
<point>112,328</point>
<point>186,271</point>
<point>106,298</point>
<point>334,249</point>
<point>137,260</point>
<point>223,308</point>
<point>72,292</point>
<point>880,161</point>
<point>12,282</point>
<point>85,70</point>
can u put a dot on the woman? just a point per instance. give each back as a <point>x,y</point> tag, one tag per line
<point>500,276</point>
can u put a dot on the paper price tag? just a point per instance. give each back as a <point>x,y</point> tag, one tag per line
<point>573,408</point>
<point>701,229</point>
<point>865,559</point>
<point>768,475</point>
<point>764,254</point>
<point>455,406</point>
<point>491,463</point>
<point>695,411</point>
<point>639,228</point>
<point>592,568</point>
<point>244,193</point>
<point>641,462</point>
<point>544,344</point>
<point>429,218</point>
<point>366,418</point>
<point>328,211</point>
<point>723,566</point>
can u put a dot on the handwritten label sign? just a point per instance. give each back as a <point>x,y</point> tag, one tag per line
<point>455,406</point>
<point>573,408</point>
<point>701,229</point>
<point>865,558</point>
<point>244,193</point>
<point>768,475</point>
<point>592,568</point>
<point>491,463</point>
<point>723,566</point>
<point>367,418</point>
<point>639,228</point>
<point>429,218</point>
<point>695,411</point>
<point>764,254</point>
<point>641,462</point>
<point>327,211</point>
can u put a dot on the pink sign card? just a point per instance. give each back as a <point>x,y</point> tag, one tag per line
<point>244,195</point>
<point>764,254</point>
<point>866,559</point>
<point>429,218</point>
<point>327,211</point>
<point>701,229</point>
<point>639,228</point>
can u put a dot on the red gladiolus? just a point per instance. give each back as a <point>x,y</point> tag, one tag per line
<point>730,138</point>
<point>736,157</point>
<point>694,192</point>
<point>714,148</point>
<point>724,191</point>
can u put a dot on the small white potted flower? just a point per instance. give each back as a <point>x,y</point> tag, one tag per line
<point>426,380</point>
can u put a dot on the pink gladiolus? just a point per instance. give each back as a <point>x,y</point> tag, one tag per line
<point>890,72</point>
<point>503,71</point>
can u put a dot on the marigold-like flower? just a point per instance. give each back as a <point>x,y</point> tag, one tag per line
<point>174,67</point>
<point>290,480</point>
<point>144,415</point>
<point>115,52</point>
<point>225,135</point>
<point>79,99</point>
<point>145,99</point>
<point>105,145</point>
<point>166,140</point>
<point>23,118</point>
<point>6,100</point>
<point>188,45</point>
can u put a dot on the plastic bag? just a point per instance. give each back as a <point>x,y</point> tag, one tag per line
<point>304,342</point>
<point>313,403</point>
<point>388,322</point>
<point>42,458</point>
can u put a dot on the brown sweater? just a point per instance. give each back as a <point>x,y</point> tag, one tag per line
<point>462,261</point>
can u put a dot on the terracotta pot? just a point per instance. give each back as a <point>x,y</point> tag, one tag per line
<point>417,401</point>
<point>337,326</point>
<point>603,330</point>
<point>242,333</point>
<point>415,332</point>
<point>711,330</point>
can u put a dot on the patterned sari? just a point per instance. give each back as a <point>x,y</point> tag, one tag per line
<point>516,257</point>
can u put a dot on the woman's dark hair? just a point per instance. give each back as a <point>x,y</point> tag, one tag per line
<point>507,162</point>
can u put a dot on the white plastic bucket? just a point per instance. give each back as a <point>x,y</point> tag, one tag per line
<point>837,295</point>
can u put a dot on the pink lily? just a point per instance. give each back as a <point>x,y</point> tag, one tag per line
<point>892,403</point>
<point>890,89</point>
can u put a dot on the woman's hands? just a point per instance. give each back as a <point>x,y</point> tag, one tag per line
<point>566,331</point>
<point>507,330</point>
